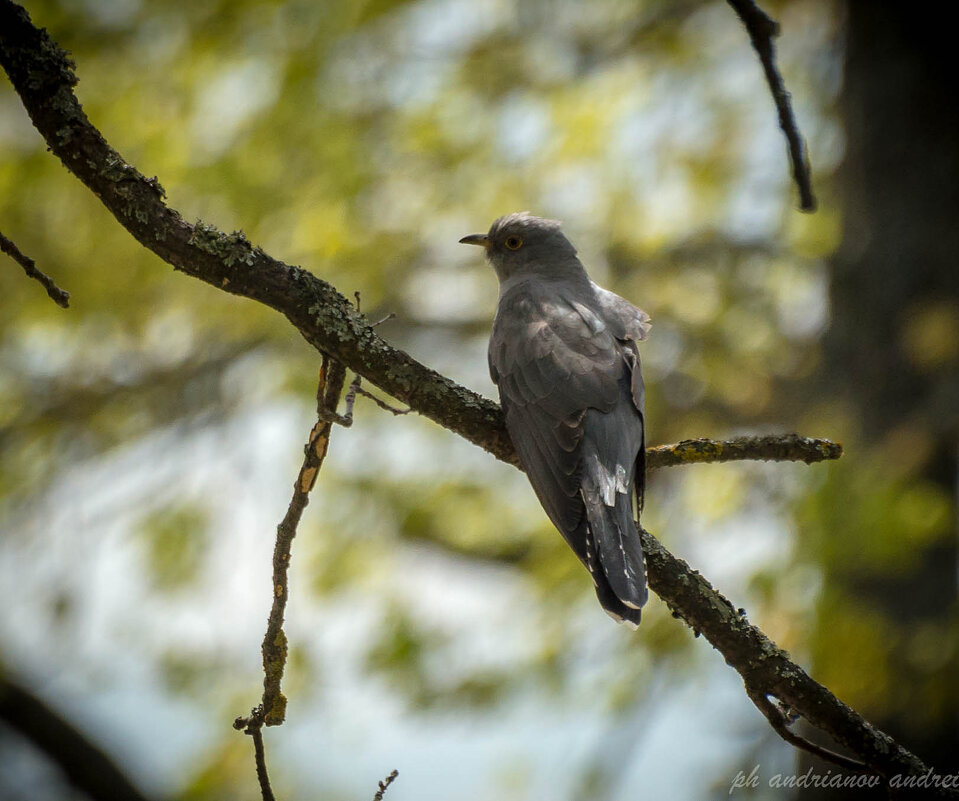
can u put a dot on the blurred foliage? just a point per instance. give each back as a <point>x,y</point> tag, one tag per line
<point>864,501</point>
<point>175,541</point>
<point>361,140</point>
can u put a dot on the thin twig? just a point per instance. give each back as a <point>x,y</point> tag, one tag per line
<point>762,30</point>
<point>59,296</point>
<point>329,413</point>
<point>332,375</point>
<point>345,419</point>
<point>772,448</point>
<point>259,755</point>
<point>780,723</point>
<point>379,402</point>
<point>384,784</point>
<point>356,388</point>
<point>272,709</point>
<point>351,397</point>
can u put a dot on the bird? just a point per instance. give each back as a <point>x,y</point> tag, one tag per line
<point>563,354</point>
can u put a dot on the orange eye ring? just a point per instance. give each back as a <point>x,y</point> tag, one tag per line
<point>513,242</point>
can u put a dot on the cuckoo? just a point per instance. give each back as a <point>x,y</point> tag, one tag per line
<point>563,354</point>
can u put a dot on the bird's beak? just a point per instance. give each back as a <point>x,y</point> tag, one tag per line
<point>476,239</point>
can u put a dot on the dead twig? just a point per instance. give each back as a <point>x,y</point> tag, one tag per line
<point>259,755</point>
<point>356,388</point>
<point>379,401</point>
<point>272,709</point>
<point>780,720</point>
<point>384,784</point>
<point>59,296</point>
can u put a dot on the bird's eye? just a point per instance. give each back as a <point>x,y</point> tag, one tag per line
<point>514,242</point>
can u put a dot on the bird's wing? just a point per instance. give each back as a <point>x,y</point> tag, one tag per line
<point>626,321</point>
<point>553,359</point>
<point>568,372</point>
<point>629,325</point>
<point>638,397</point>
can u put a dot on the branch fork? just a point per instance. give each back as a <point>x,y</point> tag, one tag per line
<point>356,388</point>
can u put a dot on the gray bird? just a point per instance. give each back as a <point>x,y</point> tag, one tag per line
<point>563,355</point>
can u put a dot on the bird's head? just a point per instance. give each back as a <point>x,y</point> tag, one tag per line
<point>521,243</point>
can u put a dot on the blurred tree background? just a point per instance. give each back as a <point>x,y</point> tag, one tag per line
<point>150,435</point>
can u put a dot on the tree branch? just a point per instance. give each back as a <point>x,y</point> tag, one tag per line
<point>271,710</point>
<point>356,388</point>
<point>772,448</point>
<point>767,670</point>
<point>86,767</point>
<point>779,720</point>
<point>43,77</point>
<point>259,759</point>
<point>381,789</point>
<point>59,296</point>
<point>762,30</point>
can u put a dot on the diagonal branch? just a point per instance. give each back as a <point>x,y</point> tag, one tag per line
<point>383,785</point>
<point>762,30</point>
<point>88,768</point>
<point>767,670</point>
<point>59,296</point>
<point>43,77</point>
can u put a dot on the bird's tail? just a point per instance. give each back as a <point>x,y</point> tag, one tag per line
<point>614,555</point>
